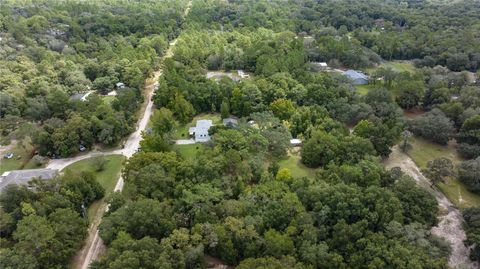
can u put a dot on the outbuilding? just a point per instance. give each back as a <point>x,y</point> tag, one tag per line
<point>357,77</point>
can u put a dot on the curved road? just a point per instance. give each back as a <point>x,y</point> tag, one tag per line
<point>450,225</point>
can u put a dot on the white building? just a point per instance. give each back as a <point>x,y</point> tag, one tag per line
<point>200,132</point>
<point>242,74</point>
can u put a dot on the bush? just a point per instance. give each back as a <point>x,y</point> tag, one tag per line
<point>98,163</point>
<point>469,174</point>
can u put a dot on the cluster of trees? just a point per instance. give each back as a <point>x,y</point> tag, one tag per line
<point>51,51</point>
<point>472,228</point>
<point>233,202</point>
<point>44,224</point>
<point>434,33</point>
<point>225,203</point>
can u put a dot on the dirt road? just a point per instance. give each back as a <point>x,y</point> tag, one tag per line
<point>450,221</point>
<point>94,246</point>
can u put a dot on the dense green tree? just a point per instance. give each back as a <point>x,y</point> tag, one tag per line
<point>469,174</point>
<point>433,126</point>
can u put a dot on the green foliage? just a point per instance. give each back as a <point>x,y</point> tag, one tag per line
<point>472,228</point>
<point>434,126</point>
<point>469,174</point>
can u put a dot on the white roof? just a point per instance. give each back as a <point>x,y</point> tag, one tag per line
<point>295,141</point>
<point>323,64</point>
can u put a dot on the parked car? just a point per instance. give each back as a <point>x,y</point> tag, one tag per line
<point>8,155</point>
<point>82,148</point>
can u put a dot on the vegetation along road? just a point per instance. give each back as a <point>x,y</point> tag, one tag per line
<point>450,221</point>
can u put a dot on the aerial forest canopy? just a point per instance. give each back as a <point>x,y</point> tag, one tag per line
<point>248,197</point>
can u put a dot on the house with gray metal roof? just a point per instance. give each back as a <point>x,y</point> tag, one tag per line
<point>200,131</point>
<point>22,177</point>
<point>357,77</point>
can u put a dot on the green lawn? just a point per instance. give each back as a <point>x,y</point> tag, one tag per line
<point>364,89</point>
<point>107,178</point>
<point>188,151</point>
<point>295,166</point>
<point>398,66</point>
<point>181,131</point>
<point>423,151</point>
<point>458,193</point>
<point>22,152</point>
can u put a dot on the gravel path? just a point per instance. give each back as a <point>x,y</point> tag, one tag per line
<point>94,245</point>
<point>450,222</point>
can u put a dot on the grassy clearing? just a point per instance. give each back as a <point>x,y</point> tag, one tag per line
<point>22,154</point>
<point>458,193</point>
<point>401,66</point>
<point>181,131</point>
<point>294,164</point>
<point>107,178</point>
<point>398,66</point>
<point>424,151</point>
<point>364,89</point>
<point>188,151</point>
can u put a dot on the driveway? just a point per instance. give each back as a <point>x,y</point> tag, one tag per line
<point>184,141</point>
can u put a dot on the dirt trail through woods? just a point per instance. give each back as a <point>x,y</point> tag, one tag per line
<point>450,220</point>
<point>94,246</point>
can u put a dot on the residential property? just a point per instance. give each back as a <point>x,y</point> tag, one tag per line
<point>230,122</point>
<point>22,177</point>
<point>357,77</point>
<point>200,131</point>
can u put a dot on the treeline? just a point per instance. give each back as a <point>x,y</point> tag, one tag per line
<point>431,32</point>
<point>51,51</point>
<point>44,224</point>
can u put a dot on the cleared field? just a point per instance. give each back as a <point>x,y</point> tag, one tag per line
<point>294,164</point>
<point>364,89</point>
<point>107,177</point>
<point>424,151</point>
<point>188,151</point>
<point>398,66</point>
<point>458,193</point>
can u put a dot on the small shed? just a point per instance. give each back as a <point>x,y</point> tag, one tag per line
<point>230,122</point>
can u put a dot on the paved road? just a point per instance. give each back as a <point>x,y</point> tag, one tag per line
<point>450,226</point>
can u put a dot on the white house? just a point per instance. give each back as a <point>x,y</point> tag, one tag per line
<point>200,132</point>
